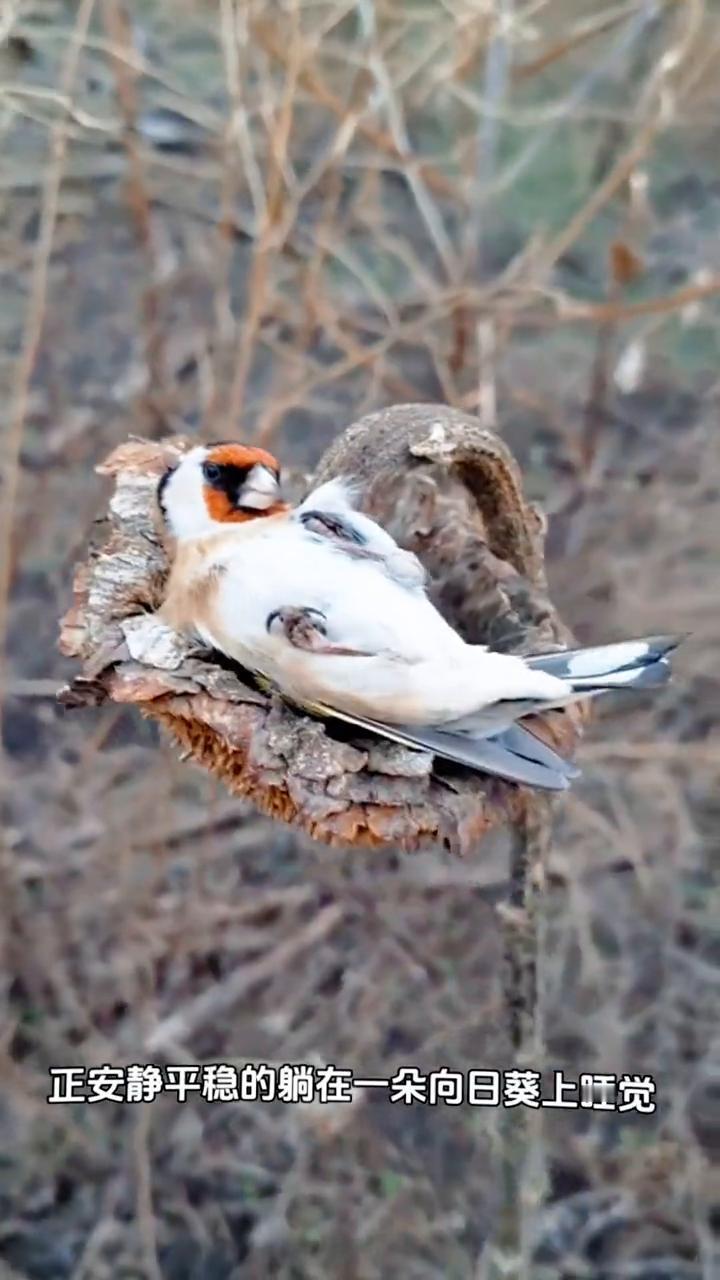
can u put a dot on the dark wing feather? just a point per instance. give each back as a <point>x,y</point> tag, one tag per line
<point>484,755</point>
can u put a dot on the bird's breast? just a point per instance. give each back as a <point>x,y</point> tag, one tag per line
<point>364,608</point>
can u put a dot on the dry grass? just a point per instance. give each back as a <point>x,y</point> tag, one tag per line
<point>265,220</point>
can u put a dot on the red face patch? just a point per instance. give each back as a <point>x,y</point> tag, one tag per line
<point>242,455</point>
<point>231,464</point>
<point>220,507</point>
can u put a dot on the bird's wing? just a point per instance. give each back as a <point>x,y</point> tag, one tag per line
<point>497,717</point>
<point>517,756</point>
<point>521,741</point>
<point>329,511</point>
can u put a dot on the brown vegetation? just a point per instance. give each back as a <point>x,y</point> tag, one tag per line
<point>267,221</point>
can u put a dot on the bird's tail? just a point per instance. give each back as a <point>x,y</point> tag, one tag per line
<point>492,741</point>
<point>496,741</point>
<point>629,664</point>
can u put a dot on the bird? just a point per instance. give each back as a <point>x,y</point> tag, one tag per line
<point>320,604</point>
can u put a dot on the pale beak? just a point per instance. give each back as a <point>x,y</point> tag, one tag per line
<point>260,490</point>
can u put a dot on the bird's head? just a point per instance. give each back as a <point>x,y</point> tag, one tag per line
<point>219,484</point>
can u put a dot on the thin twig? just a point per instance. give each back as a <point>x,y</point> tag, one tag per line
<point>35,313</point>
<point>658,96</point>
<point>624,312</point>
<point>147,1224</point>
<point>119,29</point>
<point>599,24</point>
<point>219,999</point>
<point>267,241</point>
<point>429,212</point>
<point>268,38</point>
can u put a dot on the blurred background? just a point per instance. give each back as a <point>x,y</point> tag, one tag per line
<point>260,220</point>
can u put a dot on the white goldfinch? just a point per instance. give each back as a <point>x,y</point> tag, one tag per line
<point>320,602</point>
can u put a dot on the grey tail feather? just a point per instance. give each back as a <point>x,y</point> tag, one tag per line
<point>523,742</point>
<point>652,676</point>
<point>482,754</point>
<point>490,755</point>
<point>629,664</point>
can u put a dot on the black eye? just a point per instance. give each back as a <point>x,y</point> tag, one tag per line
<point>211,471</point>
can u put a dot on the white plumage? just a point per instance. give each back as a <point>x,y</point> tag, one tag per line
<point>372,647</point>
